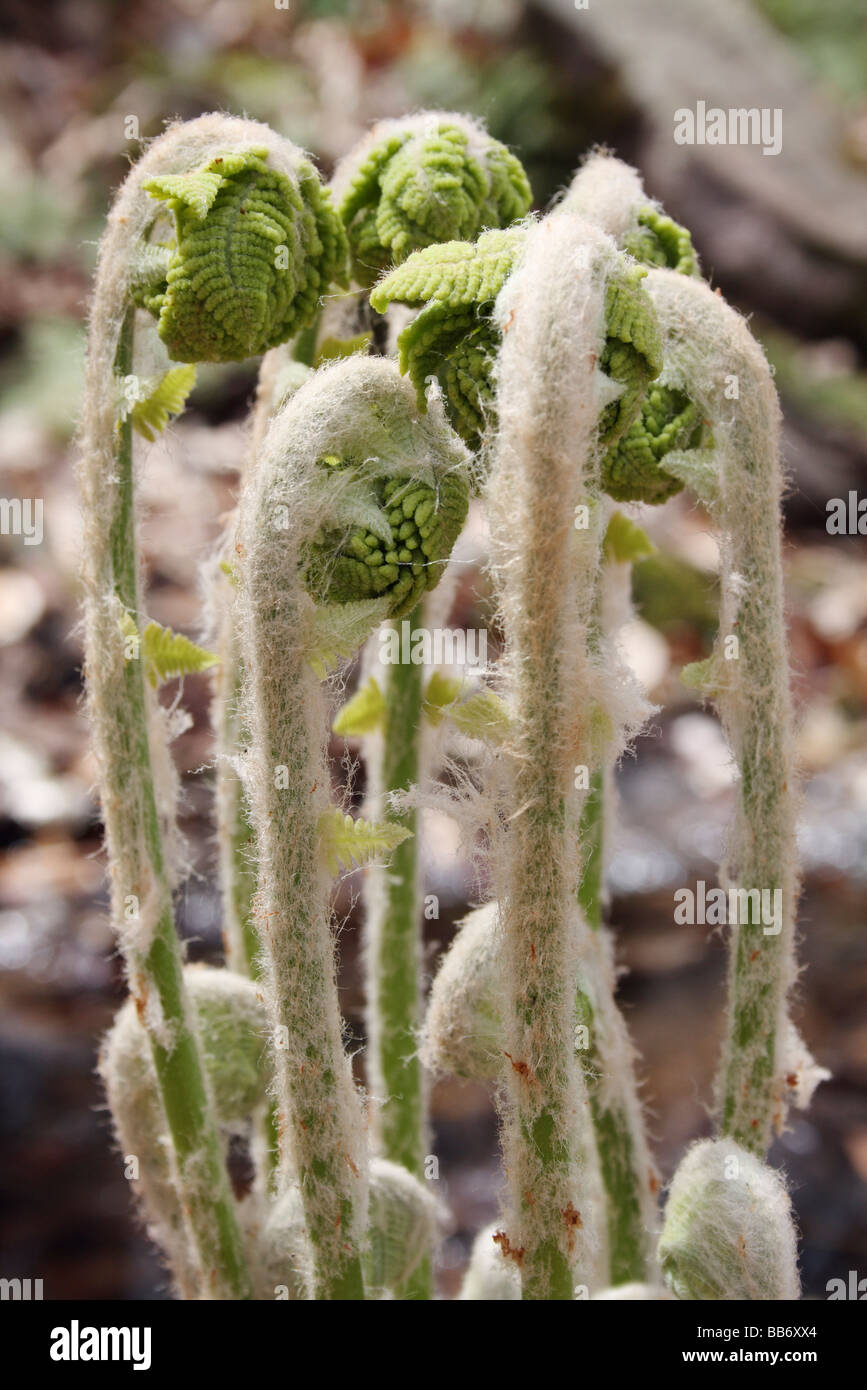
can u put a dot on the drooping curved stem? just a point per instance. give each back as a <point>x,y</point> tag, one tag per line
<point>543,470</point>
<point>711,353</point>
<point>320,1116</point>
<point>201,172</point>
<point>236,833</point>
<point>136,781</point>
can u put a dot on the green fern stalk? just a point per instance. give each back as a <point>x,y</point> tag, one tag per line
<point>393,941</point>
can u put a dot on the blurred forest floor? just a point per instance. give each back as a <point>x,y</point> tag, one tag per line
<point>73,74</point>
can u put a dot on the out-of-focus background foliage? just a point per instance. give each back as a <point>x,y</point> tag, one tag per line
<point>785,238</point>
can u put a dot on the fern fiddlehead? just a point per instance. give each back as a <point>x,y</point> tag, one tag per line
<point>232,1023</point>
<point>290,623</point>
<point>231,288</point>
<point>453,338</point>
<point>550,397</point>
<point>456,339</point>
<point>135,769</point>
<point>458,285</point>
<point>765,1067</point>
<point>408,525</point>
<point>426,179</point>
<point>735,472</point>
<point>411,183</point>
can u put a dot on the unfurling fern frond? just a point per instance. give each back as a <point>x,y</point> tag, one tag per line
<point>400,551</point>
<point>453,338</point>
<point>340,629</point>
<point>633,470</point>
<point>480,714</point>
<point>345,842</point>
<point>661,241</point>
<point>633,352</point>
<point>254,250</point>
<point>432,178</point>
<point>669,424</point>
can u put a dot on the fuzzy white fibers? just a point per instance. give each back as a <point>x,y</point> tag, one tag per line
<point>634,1293</point>
<point>402,1216</point>
<point>463,1026</point>
<point>608,193</point>
<point>422,123</point>
<point>491,1276</point>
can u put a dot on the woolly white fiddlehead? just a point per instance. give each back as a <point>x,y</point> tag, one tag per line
<point>728,1232</point>
<point>231,1022</point>
<point>350,432</point>
<point>194,274</point>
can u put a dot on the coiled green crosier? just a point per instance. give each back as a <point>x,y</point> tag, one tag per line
<point>660,241</point>
<point>406,531</point>
<point>431,178</point>
<point>633,468</point>
<point>455,339</point>
<point>253,250</point>
<point>255,243</point>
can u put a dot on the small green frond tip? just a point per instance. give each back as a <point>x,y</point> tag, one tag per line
<point>363,713</point>
<point>345,842</point>
<point>482,714</point>
<point>454,338</point>
<point>340,629</point>
<point>168,654</point>
<point>168,398</point>
<point>632,469</point>
<point>625,541</point>
<point>632,355</point>
<point>660,241</point>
